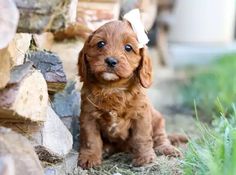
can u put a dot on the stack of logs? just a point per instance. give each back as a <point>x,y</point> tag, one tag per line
<point>32,80</point>
<point>30,130</point>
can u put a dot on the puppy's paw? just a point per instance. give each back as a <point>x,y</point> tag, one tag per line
<point>168,150</point>
<point>143,159</point>
<point>88,161</point>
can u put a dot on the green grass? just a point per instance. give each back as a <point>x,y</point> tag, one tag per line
<point>211,84</point>
<point>215,152</point>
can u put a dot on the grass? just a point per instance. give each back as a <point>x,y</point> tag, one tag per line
<point>121,164</point>
<point>215,152</point>
<point>213,83</point>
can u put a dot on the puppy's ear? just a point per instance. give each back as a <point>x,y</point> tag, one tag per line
<point>82,62</point>
<point>145,69</point>
<point>82,65</point>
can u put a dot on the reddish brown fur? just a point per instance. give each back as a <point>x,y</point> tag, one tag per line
<point>116,114</point>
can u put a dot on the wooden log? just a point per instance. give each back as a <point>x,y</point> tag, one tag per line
<point>4,68</point>
<point>37,16</point>
<point>19,149</point>
<point>25,97</point>
<point>9,19</point>
<point>51,139</point>
<point>13,55</point>
<point>51,67</point>
<point>18,47</point>
<point>7,165</point>
<point>53,135</point>
<point>94,14</point>
<point>68,52</point>
<point>44,41</point>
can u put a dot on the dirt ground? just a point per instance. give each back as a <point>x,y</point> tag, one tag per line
<point>165,96</point>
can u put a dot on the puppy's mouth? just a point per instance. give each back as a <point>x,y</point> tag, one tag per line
<point>108,76</point>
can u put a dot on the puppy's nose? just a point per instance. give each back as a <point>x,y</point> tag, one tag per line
<point>111,62</point>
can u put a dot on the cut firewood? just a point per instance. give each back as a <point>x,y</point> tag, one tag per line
<point>16,147</point>
<point>47,155</point>
<point>4,68</point>
<point>93,14</point>
<point>25,97</point>
<point>9,19</point>
<point>68,53</point>
<point>51,67</point>
<point>37,16</point>
<point>51,139</point>
<point>7,165</point>
<point>18,47</point>
<point>44,41</point>
<point>53,135</point>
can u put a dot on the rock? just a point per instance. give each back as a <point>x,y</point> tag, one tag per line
<point>9,19</point>
<point>18,148</point>
<point>26,98</point>
<point>37,16</point>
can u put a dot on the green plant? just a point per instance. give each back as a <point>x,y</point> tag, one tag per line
<point>215,152</point>
<point>211,84</point>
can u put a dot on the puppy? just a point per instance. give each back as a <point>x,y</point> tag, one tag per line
<point>116,114</point>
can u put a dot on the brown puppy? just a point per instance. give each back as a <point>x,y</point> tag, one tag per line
<point>116,114</point>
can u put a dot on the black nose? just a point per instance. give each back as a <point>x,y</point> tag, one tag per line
<point>111,62</point>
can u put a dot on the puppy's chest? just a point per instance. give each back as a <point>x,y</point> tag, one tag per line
<point>113,126</point>
<point>113,109</point>
<point>109,100</point>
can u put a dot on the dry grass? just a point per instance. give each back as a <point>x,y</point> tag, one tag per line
<point>121,163</point>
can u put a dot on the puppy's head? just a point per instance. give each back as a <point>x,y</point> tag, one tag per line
<point>111,54</point>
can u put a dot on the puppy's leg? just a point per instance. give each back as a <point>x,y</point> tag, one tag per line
<point>162,144</point>
<point>90,151</point>
<point>141,143</point>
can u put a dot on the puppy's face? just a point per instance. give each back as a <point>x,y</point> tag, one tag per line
<point>111,53</point>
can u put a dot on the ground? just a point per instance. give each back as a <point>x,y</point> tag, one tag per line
<point>165,96</point>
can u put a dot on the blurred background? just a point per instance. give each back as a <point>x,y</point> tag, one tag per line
<point>193,51</point>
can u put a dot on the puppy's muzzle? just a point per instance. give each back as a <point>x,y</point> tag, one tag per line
<point>111,62</point>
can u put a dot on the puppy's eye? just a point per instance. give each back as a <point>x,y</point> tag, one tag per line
<point>128,48</point>
<point>101,44</point>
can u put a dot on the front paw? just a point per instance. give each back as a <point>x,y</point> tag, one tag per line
<point>145,158</point>
<point>88,161</point>
<point>168,150</point>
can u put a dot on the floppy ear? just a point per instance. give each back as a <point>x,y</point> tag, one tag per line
<point>82,65</point>
<point>145,69</point>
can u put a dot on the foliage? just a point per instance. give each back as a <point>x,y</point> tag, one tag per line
<point>215,152</point>
<point>213,83</point>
